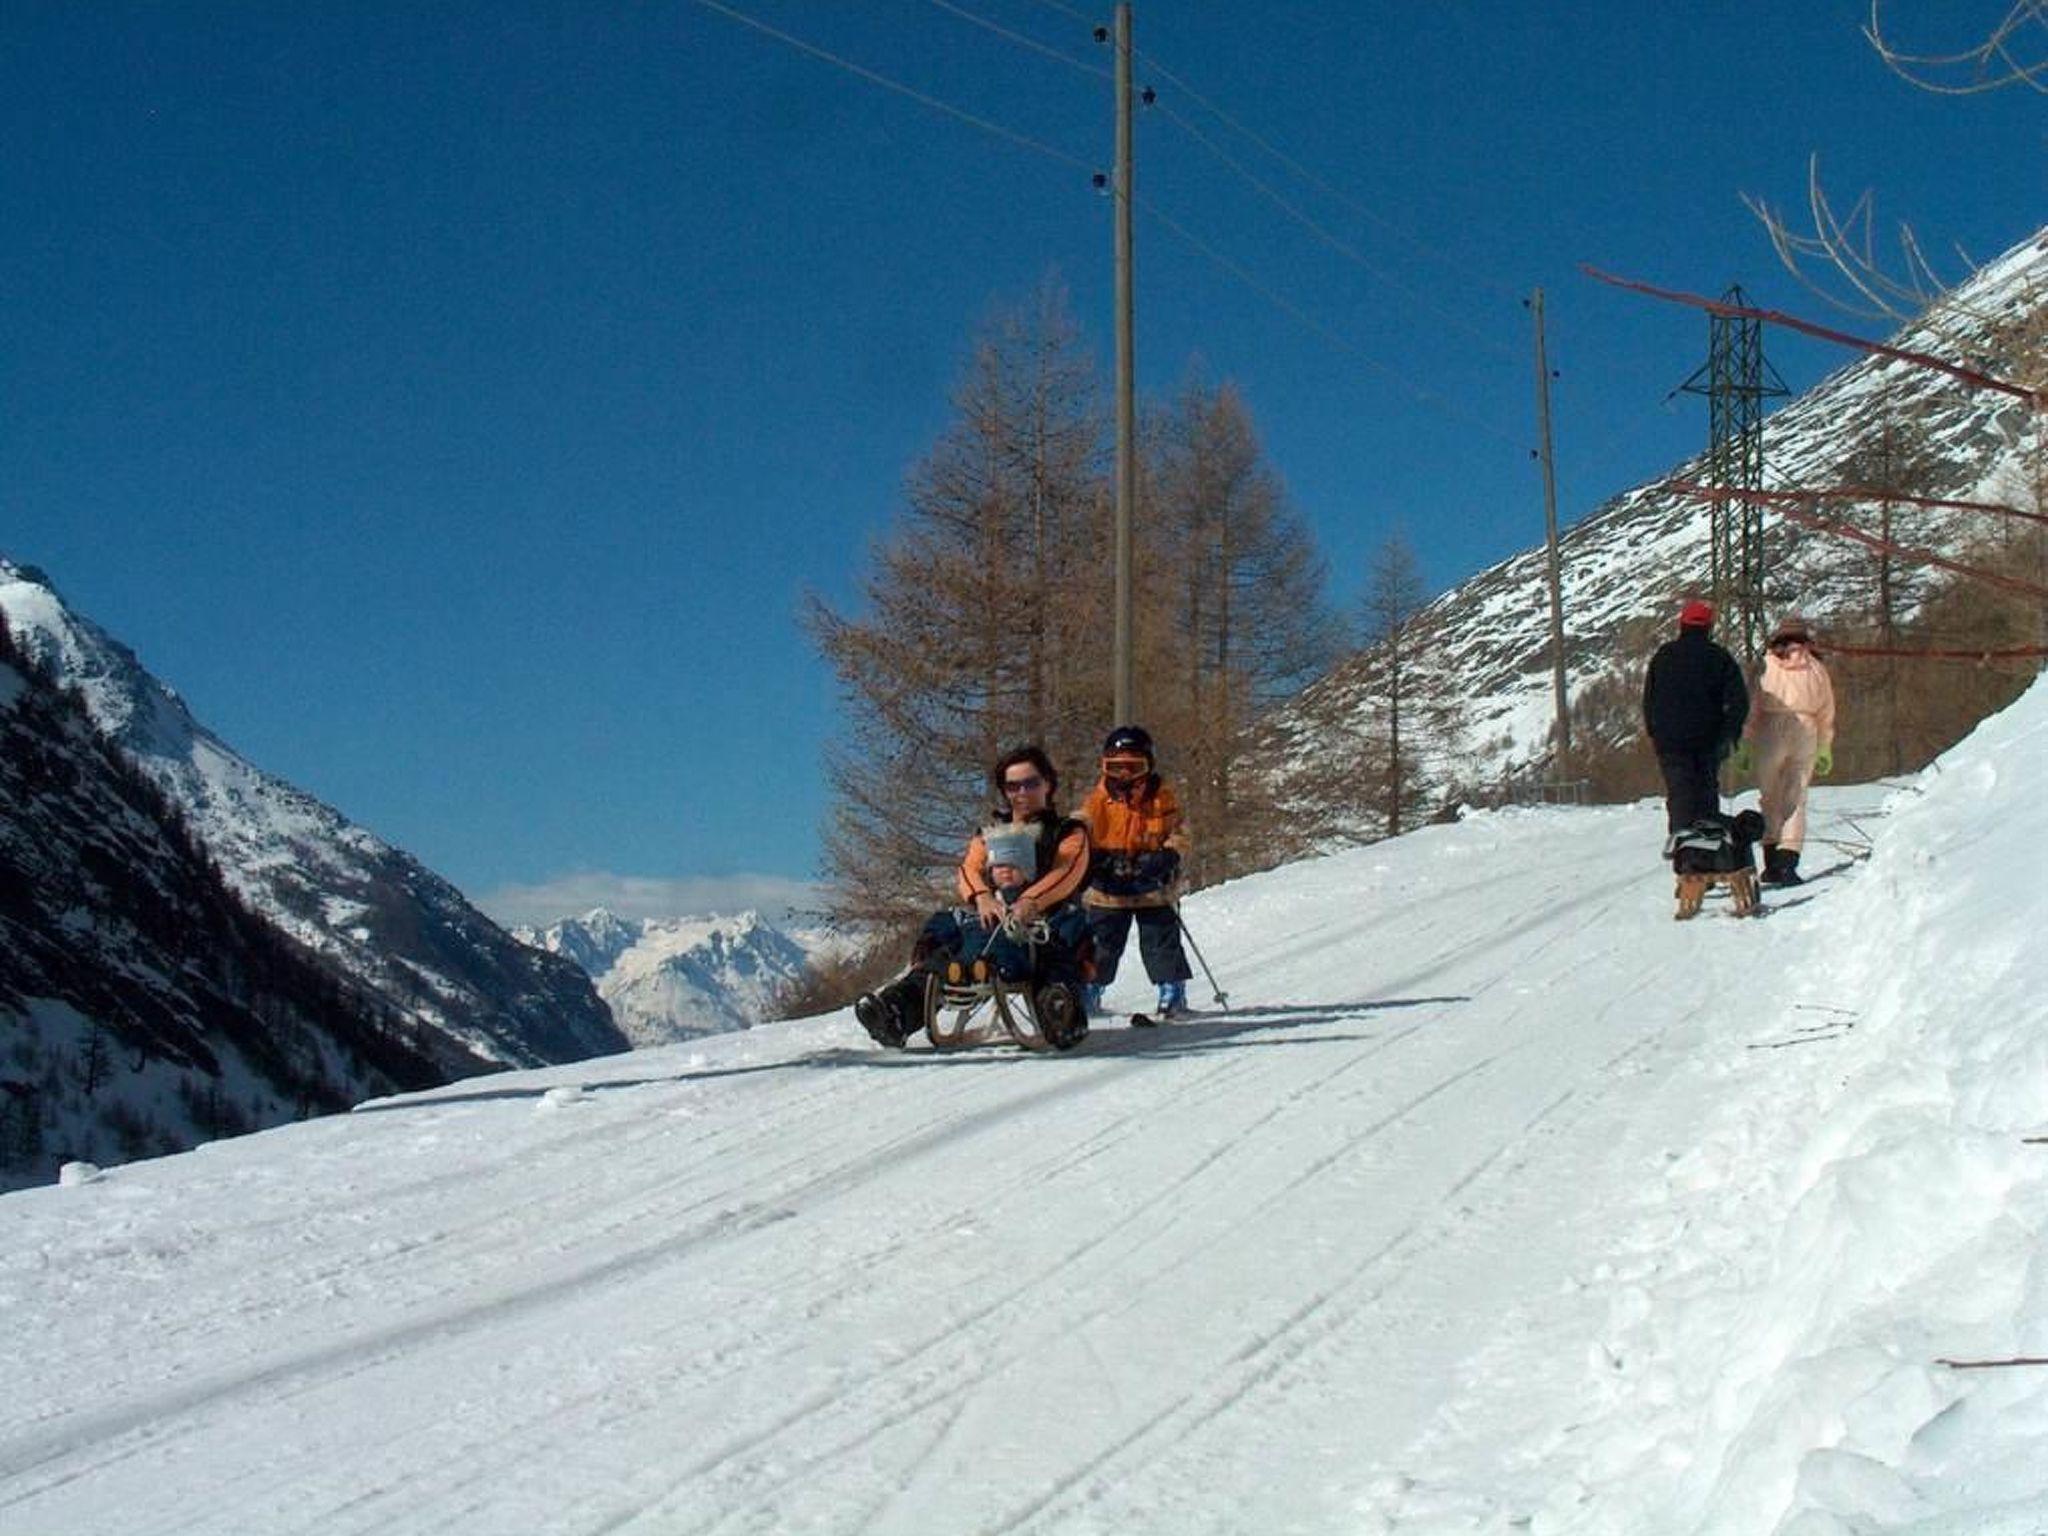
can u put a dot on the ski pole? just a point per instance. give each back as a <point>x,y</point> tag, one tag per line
<point>1222,998</point>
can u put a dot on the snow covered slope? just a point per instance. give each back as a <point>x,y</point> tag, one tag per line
<point>1498,1202</point>
<point>389,923</point>
<point>669,979</point>
<point>1627,561</point>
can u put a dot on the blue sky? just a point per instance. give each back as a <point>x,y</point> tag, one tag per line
<point>454,402</point>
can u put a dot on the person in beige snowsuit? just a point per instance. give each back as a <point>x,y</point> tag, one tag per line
<point>1790,737</point>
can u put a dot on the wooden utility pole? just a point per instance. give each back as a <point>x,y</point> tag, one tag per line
<point>1126,408</point>
<point>1564,719</point>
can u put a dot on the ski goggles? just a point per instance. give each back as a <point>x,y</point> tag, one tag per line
<point>1125,767</point>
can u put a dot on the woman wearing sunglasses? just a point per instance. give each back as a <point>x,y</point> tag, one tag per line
<point>1790,737</point>
<point>1028,863</point>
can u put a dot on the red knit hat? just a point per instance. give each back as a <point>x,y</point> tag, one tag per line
<point>1697,613</point>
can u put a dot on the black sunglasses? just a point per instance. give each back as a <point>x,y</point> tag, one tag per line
<point>1017,786</point>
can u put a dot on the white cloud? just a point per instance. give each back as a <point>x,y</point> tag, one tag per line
<point>572,895</point>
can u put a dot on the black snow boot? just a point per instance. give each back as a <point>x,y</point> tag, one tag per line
<point>887,1014</point>
<point>1781,865</point>
<point>1061,1016</point>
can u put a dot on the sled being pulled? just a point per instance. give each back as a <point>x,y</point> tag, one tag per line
<point>1717,850</point>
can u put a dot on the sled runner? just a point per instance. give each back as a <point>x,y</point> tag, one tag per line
<point>958,1012</point>
<point>1717,850</point>
<point>970,999</point>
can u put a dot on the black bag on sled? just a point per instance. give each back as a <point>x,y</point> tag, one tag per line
<point>1717,844</point>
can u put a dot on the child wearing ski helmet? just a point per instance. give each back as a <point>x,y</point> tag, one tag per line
<point>1139,839</point>
<point>1792,737</point>
<point>1028,862</point>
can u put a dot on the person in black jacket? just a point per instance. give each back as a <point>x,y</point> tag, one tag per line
<point>1694,704</point>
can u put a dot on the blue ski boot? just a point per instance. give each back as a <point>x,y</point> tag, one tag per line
<point>1173,1000</point>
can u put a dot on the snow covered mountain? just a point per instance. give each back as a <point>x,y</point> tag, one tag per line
<point>389,924</point>
<point>145,1008</point>
<point>1624,564</point>
<point>671,978</point>
<point>1497,1202</point>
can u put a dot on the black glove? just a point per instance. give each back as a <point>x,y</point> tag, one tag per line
<point>1158,868</point>
<point>1114,874</point>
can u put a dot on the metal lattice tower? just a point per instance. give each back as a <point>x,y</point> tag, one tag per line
<point>1736,381</point>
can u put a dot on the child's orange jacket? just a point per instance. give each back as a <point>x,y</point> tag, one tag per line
<point>1145,821</point>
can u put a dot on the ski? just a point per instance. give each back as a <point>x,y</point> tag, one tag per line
<point>1154,1020</point>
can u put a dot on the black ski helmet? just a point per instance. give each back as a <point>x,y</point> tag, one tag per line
<point>1128,739</point>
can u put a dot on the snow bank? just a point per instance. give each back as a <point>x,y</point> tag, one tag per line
<point>1868,1206</point>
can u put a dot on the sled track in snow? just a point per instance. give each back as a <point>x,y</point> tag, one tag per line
<point>1310,1326</point>
<point>1317,1318</point>
<point>130,1427</point>
<point>961,1375</point>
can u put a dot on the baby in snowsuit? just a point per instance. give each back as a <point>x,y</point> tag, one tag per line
<point>1791,733</point>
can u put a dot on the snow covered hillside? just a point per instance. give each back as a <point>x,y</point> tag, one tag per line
<point>668,979</point>
<point>1624,563</point>
<point>143,1008</point>
<point>389,924</point>
<point>1497,1202</point>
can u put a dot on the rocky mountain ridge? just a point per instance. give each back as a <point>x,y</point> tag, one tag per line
<point>145,1006</point>
<point>380,918</point>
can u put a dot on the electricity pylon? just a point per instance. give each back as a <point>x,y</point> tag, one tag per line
<point>1736,381</point>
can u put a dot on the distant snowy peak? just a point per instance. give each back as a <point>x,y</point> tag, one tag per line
<point>673,977</point>
<point>595,941</point>
<point>374,911</point>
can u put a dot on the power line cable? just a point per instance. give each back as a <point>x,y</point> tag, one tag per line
<point>1321,183</point>
<point>1067,10</point>
<point>1279,200</point>
<point>1425,396</point>
<point>1336,242</point>
<point>1294,165</point>
<point>1022,41</point>
<point>987,125</point>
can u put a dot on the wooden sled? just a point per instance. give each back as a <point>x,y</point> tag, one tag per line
<point>1692,891</point>
<point>960,1010</point>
